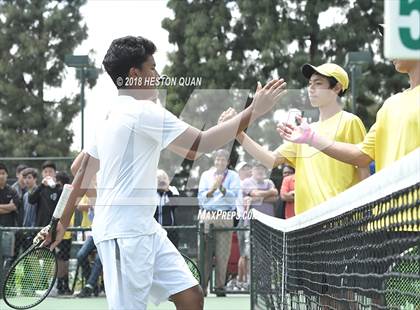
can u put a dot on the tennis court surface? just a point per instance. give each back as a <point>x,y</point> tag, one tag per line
<point>237,302</point>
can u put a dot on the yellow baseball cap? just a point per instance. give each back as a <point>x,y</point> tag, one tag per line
<point>328,69</point>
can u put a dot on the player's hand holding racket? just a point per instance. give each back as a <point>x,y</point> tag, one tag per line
<point>45,236</point>
<point>33,274</point>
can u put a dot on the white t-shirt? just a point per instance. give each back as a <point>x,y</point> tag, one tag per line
<point>128,143</point>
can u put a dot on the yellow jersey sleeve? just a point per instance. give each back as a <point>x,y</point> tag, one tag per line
<point>288,150</point>
<point>356,131</point>
<point>369,143</point>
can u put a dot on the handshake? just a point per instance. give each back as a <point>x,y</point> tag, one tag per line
<point>302,134</point>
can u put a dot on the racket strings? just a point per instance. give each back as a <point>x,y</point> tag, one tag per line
<point>30,279</point>
<point>193,268</point>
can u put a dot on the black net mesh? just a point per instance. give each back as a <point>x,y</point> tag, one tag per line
<point>268,269</point>
<point>366,258</point>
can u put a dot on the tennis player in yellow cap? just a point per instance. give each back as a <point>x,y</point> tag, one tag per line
<point>318,176</point>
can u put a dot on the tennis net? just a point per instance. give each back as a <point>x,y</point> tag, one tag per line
<point>359,250</point>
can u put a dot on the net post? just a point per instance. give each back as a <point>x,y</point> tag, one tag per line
<point>251,264</point>
<point>202,253</point>
<point>210,255</point>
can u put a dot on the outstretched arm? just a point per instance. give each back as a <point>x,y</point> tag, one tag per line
<point>264,156</point>
<point>345,152</point>
<point>193,142</point>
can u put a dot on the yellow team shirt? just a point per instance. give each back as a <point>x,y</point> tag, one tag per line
<point>319,177</point>
<point>86,222</point>
<point>68,234</point>
<point>85,219</point>
<point>395,134</point>
<point>396,131</point>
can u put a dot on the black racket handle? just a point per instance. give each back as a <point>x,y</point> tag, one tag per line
<point>53,228</point>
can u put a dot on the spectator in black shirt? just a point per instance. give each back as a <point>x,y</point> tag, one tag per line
<point>20,187</point>
<point>9,200</point>
<point>46,195</point>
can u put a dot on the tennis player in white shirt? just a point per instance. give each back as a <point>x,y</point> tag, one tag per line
<point>139,261</point>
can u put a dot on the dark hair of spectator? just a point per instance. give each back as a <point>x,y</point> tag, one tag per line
<point>3,167</point>
<point>126,53</point>
<point>48,164</point>
<point>62,177</point>
<point>20,168</point>
<point>30,171</point>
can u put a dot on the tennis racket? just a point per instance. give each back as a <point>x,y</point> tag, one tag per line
<point>193,268</point>
<point>33,274</point>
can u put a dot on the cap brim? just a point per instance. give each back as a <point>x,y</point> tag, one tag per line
<point>308,70</point>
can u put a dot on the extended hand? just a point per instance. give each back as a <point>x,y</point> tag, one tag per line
<point>227,115</point>
<point>266,97</point>
<point>297,134</point>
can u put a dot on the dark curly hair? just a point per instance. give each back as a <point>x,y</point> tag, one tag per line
<point>126,53</point>
<point>3,167</point>
<point>62,177</point>
<point>48,164</point>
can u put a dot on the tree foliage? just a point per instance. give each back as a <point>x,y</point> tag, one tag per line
<point>35,36</point>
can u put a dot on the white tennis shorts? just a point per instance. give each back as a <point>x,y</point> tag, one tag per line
<point>141,267</point>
